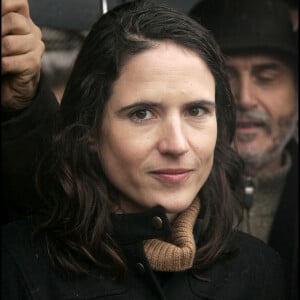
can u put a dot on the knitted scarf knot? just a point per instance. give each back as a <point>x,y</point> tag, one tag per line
<point>178,253</point>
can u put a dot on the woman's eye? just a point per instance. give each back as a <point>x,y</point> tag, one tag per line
<point>141,115</point>
<point>196,111</point>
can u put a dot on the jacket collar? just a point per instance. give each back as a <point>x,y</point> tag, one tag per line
<point>135,227</point>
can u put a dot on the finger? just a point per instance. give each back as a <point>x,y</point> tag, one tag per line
<point>13,23</point>
<point>19,6</point>
<point>24,64</point>
<point>18,44</point>
<point>36,30</point>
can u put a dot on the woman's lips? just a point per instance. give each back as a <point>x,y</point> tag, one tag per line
<point>173,176</point>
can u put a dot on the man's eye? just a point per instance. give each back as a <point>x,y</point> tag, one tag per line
<point>196,111</point>
<point>141,115</point>
<point>265,79</point>
<point>267,76</point>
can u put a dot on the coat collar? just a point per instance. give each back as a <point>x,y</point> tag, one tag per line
<point>135,227</point>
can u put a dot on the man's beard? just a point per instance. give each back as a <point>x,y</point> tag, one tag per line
<point>286,125</point>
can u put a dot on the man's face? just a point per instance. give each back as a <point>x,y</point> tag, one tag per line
<point>265,93</point>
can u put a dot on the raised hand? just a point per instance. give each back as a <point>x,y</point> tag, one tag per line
<point>22,49</point>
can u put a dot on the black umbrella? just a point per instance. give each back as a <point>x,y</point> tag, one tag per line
<point>81,14</point>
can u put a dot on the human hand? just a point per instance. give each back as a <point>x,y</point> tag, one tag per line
<point>22,49</point>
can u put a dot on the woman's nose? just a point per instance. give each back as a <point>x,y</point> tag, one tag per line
<point>172,138</point>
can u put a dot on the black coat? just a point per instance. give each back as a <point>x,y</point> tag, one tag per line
<point>284,237</point>
<point>253,273</point>
<point>23,138</point>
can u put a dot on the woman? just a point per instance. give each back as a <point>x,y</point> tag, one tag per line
<point>140,182</point>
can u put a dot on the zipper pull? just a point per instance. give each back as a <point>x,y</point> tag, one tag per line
<point>248,192</point>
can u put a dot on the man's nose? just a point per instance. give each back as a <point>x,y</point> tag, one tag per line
<point>244,94</point>
<point>173,140</point>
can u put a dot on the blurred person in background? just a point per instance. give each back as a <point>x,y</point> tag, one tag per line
<point>261,54</point>
<point>23,135</point>
<point>294,12</point>
<point>24,124</point>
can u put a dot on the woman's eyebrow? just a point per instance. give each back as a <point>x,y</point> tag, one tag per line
<point>137,105</point>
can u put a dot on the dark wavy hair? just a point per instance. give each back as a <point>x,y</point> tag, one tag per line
<point>78,197</point>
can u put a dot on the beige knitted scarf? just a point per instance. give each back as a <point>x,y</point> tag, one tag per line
<point>178,253</point>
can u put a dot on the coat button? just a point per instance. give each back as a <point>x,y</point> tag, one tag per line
<point>157,222</point>
<point>140,268</point>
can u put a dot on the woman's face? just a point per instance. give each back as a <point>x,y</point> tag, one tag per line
<point>159,131</point>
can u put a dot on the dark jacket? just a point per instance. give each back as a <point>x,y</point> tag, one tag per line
<point>253,272</point>
<point>284,237</point>
<point>23,134</point>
